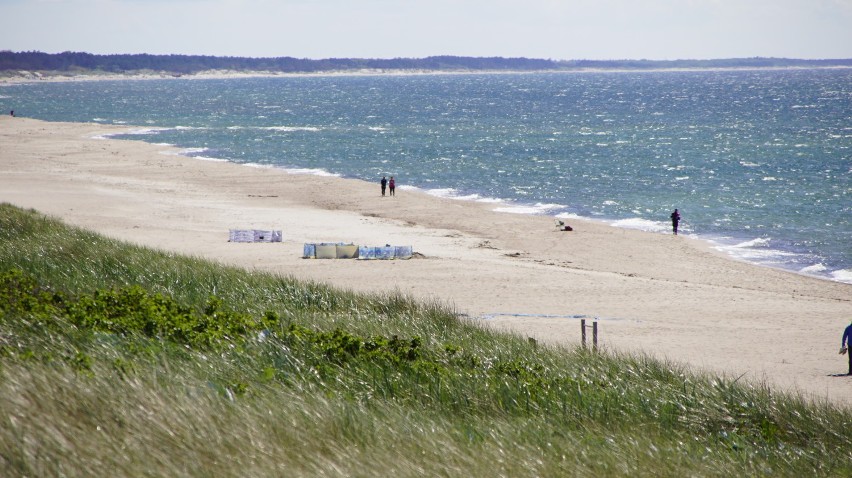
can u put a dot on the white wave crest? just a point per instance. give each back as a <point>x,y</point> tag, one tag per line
<point>759,242</point>
<point>468,197</point>
<point>641,224</point>
<point>538,208</point>
<point>312,171</point>
<point>442,192</point>
<point>291,128</point>
<point>842,275</point>
<point>758,250</point>
<point>451,193</point>
<point>144,131</point>
<point>191,151</point>
<point>813,269</point>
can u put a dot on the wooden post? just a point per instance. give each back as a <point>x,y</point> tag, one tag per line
<point>595,335</point>
<point>583,332</point>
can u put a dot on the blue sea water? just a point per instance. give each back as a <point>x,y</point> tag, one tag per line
<point>758,162</point>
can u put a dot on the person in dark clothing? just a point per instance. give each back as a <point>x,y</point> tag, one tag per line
<point>845,343</point>
<point>675,220</point>
<point>392,186</point>
<point>384,183</point>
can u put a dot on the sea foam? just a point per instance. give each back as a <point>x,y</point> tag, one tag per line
<point>538,208</point>
<point>842,275</point>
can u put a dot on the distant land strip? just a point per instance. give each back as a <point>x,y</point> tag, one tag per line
<point>77,63</point>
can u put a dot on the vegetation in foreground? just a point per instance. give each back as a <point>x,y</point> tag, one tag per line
<point>123,361</point>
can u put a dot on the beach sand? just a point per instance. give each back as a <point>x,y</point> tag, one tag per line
<point>672,297</point>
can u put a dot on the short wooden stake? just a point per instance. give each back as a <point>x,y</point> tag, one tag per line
<point>594,333</point>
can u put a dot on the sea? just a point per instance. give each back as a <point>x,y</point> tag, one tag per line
<point>758,162</point>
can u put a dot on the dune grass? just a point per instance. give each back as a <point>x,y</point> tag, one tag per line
<point>117,360</point>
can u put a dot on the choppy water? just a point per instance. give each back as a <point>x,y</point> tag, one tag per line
<point>759,162</point>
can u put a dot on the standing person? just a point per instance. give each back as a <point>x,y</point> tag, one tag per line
<point>845,343</point>
<point>384,183</point>
<point>675,220</point>
<point>392,186</point>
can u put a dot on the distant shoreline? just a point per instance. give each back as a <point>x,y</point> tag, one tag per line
<point>38,66</point>
<point>27,77</point>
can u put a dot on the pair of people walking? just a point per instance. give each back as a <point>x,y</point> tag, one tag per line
<point>389,185</point>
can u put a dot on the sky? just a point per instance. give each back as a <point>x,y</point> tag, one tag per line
<point>548,29</point>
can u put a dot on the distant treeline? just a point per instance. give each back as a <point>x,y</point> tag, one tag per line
<point>76,62</point>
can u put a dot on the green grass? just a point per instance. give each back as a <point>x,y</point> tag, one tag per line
<point>117,360</point>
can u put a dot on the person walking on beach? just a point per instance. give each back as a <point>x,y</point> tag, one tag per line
<point>675,220</point>
<point>392,186</point>
<point>845,343</point>
<point>384,183</point>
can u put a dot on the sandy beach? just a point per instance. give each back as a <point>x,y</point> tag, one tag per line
<point>668,296</point>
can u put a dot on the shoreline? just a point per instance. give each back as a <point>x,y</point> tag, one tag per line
<point>737,248</point>
<point>672,297</point>
<point>26,77</point>
<point>732,247</point>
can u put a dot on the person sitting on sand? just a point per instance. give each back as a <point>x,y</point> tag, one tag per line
<point>560,225</point>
